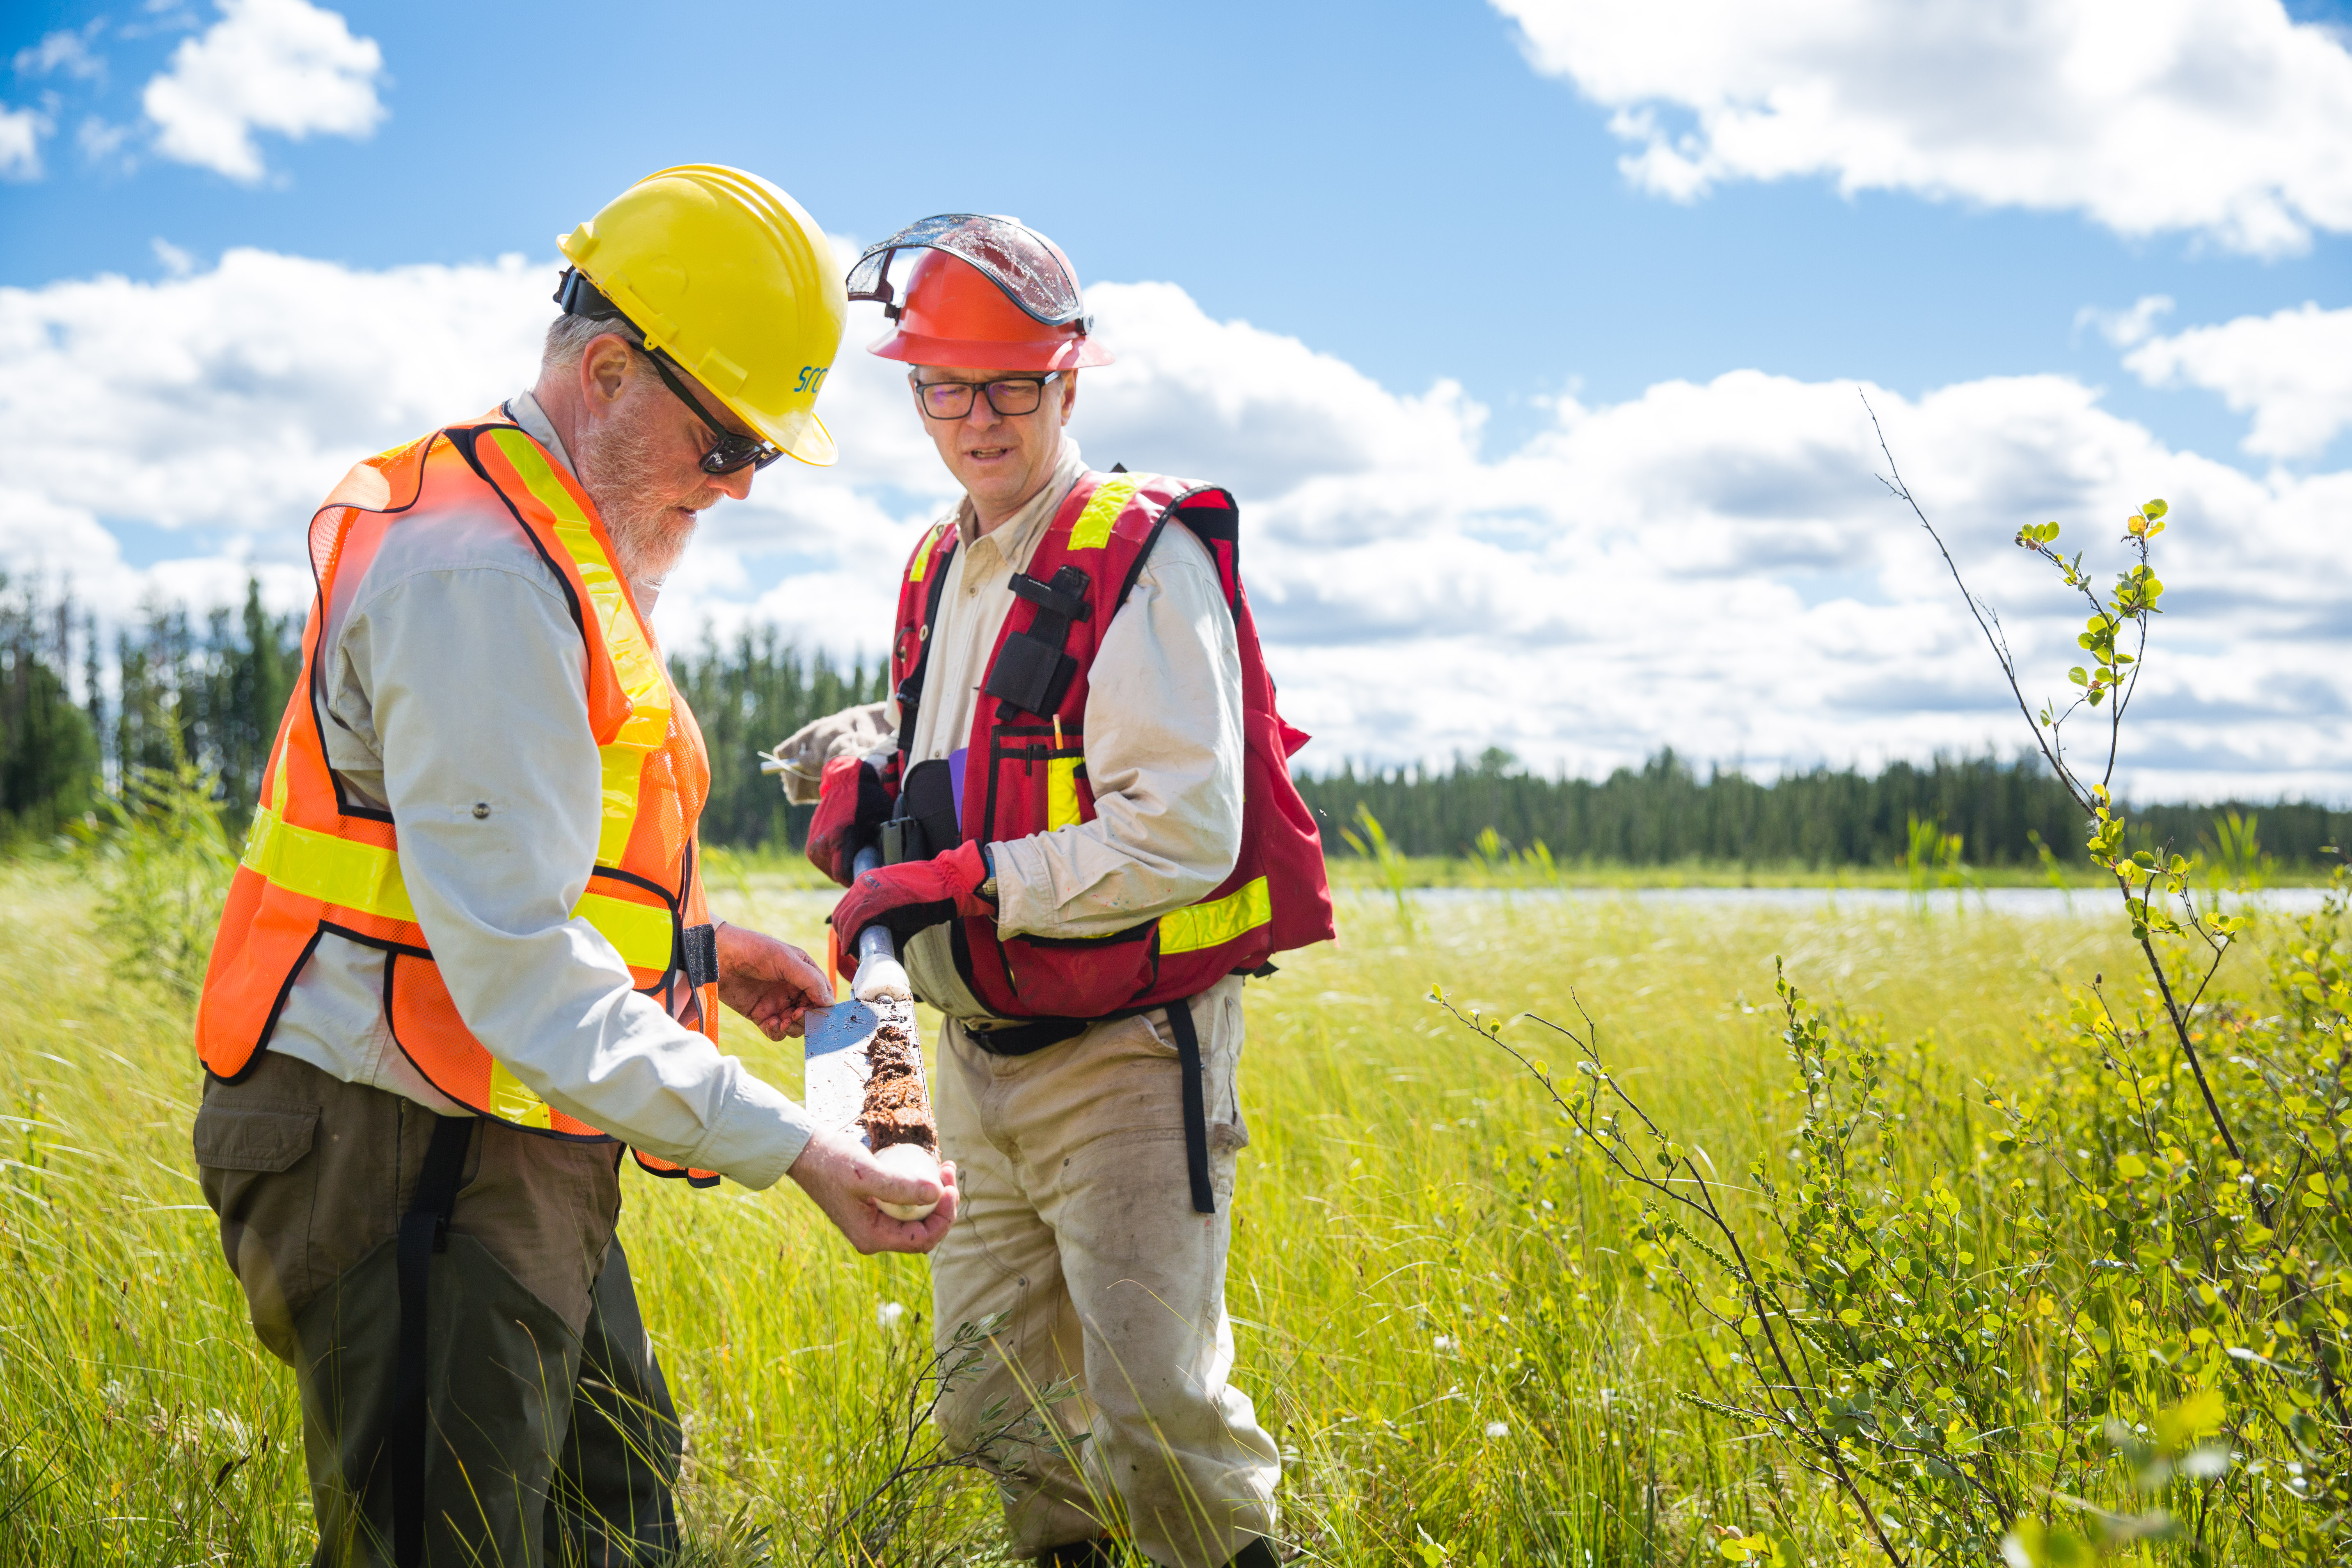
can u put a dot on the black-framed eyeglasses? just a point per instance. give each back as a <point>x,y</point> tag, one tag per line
<point>1010,396</point>
<point>729,451</point>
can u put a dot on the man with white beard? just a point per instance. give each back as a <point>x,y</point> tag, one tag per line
<point>466,956</point>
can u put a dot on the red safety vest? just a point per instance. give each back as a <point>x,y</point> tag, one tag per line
<point>317,861</point>
<point>1025,770</point>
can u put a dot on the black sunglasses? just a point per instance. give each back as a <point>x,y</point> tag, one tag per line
<point>729,451</point>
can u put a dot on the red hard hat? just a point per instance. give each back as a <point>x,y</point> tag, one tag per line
<point>986,293</point>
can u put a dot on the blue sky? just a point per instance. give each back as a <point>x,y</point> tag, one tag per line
<point>1427,194</point>
<point>1389,183</point>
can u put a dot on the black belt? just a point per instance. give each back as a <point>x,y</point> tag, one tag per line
<point>1026,1039</point>
<point>424,1231</point>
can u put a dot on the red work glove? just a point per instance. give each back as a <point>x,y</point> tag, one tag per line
<point>851,804</point>
<point>912,896</point>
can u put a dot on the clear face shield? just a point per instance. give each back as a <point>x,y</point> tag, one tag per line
<point>1016,259</point>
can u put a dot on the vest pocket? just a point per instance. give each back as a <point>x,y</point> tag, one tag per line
<point>1037,782</point>
<point>1083,977</point>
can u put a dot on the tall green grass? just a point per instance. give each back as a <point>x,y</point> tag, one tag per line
<point>1433,1322</point>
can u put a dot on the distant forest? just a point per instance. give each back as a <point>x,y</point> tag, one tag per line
<point>222,680</point>
<point>1665,812</point>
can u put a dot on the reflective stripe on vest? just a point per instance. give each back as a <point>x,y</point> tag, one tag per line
<point>364,877</point>
<point>1062,808</point>
<point>1092,531</point>
<point>638,666</point>
<point>1218,921</point>
<point>927,550</point>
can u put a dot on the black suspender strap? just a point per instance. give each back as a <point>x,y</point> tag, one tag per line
<point>1196,1105</point>
<point>910,690</point>
<point>424,1231</point>
<point>1021,1040</point>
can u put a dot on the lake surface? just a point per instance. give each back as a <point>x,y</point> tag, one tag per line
<point>2022,903</point>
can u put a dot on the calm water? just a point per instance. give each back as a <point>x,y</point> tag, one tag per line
<point>2024,903</point>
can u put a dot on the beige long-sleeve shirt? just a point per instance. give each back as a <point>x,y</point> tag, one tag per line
<point>1163,736</point>
<point>453,676</point>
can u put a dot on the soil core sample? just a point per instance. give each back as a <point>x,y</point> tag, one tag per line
<point>897,1109</point>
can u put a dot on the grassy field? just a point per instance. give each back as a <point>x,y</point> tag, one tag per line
<point>786,869</point>
<point>1428,1312</point>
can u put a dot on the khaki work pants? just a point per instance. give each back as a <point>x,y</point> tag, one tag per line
<point>1075,1217</point>
<point>552,1440</point>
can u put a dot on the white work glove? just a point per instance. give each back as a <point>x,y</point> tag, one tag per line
<point>852,732</point>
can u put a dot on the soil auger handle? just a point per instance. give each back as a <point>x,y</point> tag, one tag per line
<point>875,944</point>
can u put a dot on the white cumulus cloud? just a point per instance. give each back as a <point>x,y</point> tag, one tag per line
<point>282,65</point>
<point>209,412</point>
<point>2293,370</point>
<point>2221,117</point>
<point>1709,564</point>
<point>21,131</point>
<point>67,50</point>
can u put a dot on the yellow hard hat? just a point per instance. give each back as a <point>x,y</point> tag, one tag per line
<point>733,281</point>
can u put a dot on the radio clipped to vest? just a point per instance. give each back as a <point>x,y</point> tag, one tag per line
<point>1032,671</point>
<point>925,822</point>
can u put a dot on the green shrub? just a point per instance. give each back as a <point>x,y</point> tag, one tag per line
<point>2107,1309</point>
<point>161,856</point>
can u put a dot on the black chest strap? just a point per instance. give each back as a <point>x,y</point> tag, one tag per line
<point>910,690</point>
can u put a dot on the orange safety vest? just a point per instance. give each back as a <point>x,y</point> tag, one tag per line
<point>317,860</point>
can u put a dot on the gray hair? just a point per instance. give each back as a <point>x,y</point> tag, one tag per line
<point>568,338</point>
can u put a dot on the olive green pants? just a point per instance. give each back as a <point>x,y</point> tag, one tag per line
<point>552,1441</point>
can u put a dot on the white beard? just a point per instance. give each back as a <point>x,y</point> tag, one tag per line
<point>616,469</point>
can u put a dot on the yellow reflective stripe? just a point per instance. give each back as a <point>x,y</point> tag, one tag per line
<point>621,763</point>
<point>512,1101</point>
<point>622,769</point>
<point>361,877</point>
<point>640,931</point>
<point>320,865</point>
<point>632,657</point>
<point>923,557</point>
<point>1092,531</point>
<point>1061,792</point>
<point>1218,921</point>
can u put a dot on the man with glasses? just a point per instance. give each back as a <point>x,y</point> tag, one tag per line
<point>1061,814</point>
<point>466,956</point>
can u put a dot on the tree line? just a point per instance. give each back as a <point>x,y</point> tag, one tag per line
<point>210,689</point>
<point>1664,812</point>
